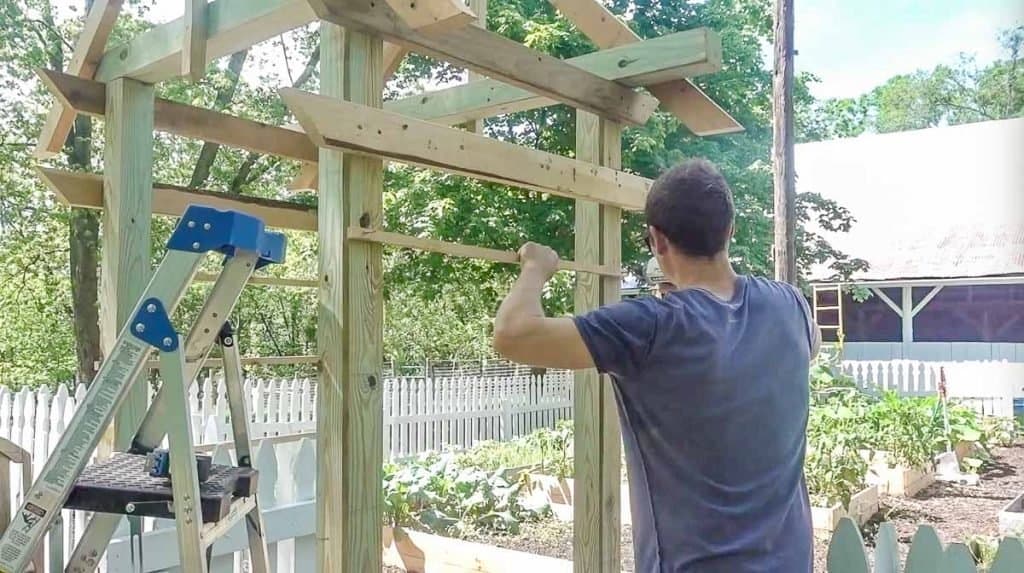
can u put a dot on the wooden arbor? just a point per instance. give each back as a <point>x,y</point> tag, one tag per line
<point>346,133</point>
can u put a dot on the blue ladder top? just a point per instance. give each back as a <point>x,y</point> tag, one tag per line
<point>203,229</point>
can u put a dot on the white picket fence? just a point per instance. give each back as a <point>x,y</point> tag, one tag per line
<point>989,387</point>
<point>419,415</point>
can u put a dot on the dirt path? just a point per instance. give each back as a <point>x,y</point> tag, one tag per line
<point>957,512</point>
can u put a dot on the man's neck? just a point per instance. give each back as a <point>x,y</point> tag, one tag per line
<point>714,275</point>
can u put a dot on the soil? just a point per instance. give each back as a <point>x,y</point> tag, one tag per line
<point>957,513</point>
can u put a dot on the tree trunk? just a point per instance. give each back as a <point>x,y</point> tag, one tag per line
<point>785,176</point>
<point>208,154</point>
<point>84,247</point>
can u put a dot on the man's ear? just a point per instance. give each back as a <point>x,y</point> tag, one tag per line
<point>659,243</point>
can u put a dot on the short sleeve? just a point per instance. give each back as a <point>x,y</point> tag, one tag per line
<point>806,315</point>
<point>620,336</point>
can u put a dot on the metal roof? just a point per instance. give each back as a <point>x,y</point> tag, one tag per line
<point>946,202</point>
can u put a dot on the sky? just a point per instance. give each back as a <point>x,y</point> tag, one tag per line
<point>856,45</point>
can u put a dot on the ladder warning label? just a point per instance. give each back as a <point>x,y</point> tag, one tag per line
<point>96,409</point>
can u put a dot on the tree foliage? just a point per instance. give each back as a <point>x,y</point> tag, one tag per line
<point>945,95</point>
<point>436,307</point>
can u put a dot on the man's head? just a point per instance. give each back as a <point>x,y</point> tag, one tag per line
<point>689,214</point>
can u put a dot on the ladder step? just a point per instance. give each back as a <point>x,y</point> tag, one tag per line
<point>111,485</point>
<point>828,308</point>
<point>828,326</point>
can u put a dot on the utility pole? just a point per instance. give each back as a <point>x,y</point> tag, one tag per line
<point>782,151</point>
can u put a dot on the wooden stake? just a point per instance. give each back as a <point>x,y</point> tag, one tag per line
<point>782,160</point>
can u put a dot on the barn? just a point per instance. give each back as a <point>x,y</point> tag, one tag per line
<point>939,218</point>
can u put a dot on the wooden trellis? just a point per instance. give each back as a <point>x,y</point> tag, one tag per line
<point>345,134</point>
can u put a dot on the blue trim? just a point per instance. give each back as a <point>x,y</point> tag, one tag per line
<point>203,229</point>
<point>152,325</point>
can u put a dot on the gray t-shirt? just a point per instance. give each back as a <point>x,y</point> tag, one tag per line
<point>713,400</point>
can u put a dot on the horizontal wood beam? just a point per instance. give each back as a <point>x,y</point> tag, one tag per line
<point>99,22</point>
<point>433,16</point>
<point>85,190</point>
<point>699,113</point>
<point>265,281</point>
<point>362,130</point>
<point>89,97</point>
<point>674,56</point>
<point>497,57</point>
<point>466,251</point>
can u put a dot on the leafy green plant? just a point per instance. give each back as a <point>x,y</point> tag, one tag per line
<point>555,448</point>
<point>834,468</point>
<point>905,428</point>
<point>435,494</point>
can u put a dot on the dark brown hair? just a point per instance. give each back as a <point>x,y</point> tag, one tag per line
<point>691,204</point>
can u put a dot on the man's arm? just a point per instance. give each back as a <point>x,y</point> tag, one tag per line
<point>521,331</point>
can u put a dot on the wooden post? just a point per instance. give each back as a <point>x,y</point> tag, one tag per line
<point>350,330</point>
<point>480,8</point>
<point>907,314</point>
<point>782,160</point>
<point>126,267</point>
<point>596,517</point>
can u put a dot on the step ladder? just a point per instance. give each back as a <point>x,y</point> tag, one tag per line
<point>145,481</point>
<point>825,322</point>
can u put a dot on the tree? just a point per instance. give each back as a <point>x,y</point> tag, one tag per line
<point>946,95</point>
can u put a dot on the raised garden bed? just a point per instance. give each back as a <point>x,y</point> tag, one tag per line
<point>417,552</point>
<point>1011,517</point>
<point>863,505</point>
<point>896,479</point>
<point>559,492</point>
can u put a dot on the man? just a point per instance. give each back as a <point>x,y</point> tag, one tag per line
<point>659,283</point>
<point>711,383</point>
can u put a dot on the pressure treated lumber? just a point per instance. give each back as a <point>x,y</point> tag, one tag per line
<point>268,281</point>
<point>497,57</point>
<point>433,16</point>
<point>193,53</point>
<point>232,25</point>
<point>366,131</point>
<point>480,7</point>
<point>85,190</point>
<point>86,57</point>
<point>350,328</point>
<point>681,98</point>
<point>126,266</point>
<point>596,503</point>
<point>467,251</point>
<point>670,57</point>
<point>88,97</point>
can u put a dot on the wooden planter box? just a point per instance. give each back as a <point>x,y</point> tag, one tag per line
<point>559,492</point>
<point>417,552</point>
<point>897,479</point>
<point>863,505</point>
<point>1011,518</point>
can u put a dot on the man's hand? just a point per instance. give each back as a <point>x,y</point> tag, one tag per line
<point>521,331</point>
<point>539,258</point>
